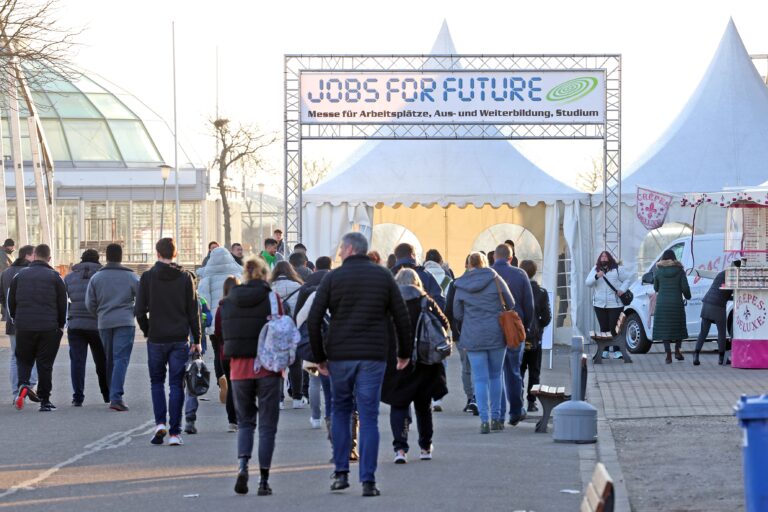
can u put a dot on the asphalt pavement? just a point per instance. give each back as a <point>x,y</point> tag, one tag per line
<point>92,458</point>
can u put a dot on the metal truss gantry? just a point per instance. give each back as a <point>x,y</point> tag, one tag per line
<point>609,131</point>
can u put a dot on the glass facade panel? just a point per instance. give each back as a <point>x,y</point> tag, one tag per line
<point>52,82</point>
<point>67,232</point>
<point>54,134</point>
<point>43,104</point>
<point>143,225</point>
<point>90,140</point>
<point>86,85</point>
<point>133,141</point>
<point>110,107</point>
<point>73,105</point>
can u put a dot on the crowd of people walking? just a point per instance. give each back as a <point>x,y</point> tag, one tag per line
<point>343,340</point>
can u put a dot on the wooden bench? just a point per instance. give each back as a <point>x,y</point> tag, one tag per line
<point>550,397</point>
<point>603,340</point>
<point>599,494</point>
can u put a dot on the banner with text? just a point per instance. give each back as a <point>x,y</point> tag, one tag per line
<point>652,207</point>
<point>453,97</point>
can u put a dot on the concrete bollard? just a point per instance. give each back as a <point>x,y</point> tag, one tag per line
<point>575,421</point>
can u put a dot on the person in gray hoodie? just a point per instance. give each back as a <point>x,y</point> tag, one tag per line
<point>477,306</point>
<point>111,296</point>
<point>82,330</point>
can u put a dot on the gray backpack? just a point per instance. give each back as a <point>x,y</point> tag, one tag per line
<point>433,341</point>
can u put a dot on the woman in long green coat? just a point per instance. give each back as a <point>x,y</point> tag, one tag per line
<point>671,284</point>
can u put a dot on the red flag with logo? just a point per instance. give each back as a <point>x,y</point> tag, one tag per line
<point>652,207</point>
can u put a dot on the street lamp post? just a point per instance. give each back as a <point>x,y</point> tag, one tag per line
<point>261,216</point>
<point>165,171</point>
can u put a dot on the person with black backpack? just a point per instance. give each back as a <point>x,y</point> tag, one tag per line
<point>286,282</point>
<point>541,318</point>
<point>423,380</point>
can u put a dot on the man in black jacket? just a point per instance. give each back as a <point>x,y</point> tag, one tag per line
<point>363,299</point>
<point>542,317</point>
<point>37,303</point>
<point>167,293</point>
<point>26,256</point>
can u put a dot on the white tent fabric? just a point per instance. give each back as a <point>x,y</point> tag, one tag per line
<point>718,140</point>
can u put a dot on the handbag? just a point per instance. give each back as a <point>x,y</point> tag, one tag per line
<point>510,322</point>
<point>626,298</point>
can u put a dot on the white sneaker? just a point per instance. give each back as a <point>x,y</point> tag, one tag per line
<point>401,457</point>
<point>282,405</point>
<point>426,455</point>
<point>160,432</point>
<point>618,355</point>
<point>605,354</point>
<point>232,427</point>
<point>299,404</point>
<point>316,423</point>
<point>175,440</point>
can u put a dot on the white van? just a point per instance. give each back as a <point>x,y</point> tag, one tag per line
<point>702,256</point>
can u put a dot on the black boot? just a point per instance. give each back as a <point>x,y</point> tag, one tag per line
<point>696,358</point>
<point>241,484</point>
<point>668,359</point>
<point>340,481</point>
<point>720,358</point>
<point>264,489</point>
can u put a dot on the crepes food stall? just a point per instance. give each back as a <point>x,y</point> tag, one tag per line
<point>746,239</point>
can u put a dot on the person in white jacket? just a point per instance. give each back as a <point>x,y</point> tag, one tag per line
<point>220,265</point>
<point>605,300</point>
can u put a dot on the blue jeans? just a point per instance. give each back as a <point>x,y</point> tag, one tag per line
<point>15,369</point>
<point>118,345</point>
<point>356,382</point>
<point>79,341</point>
<point>486,378</point>
<point>316,385</point>
<point>513,383</point>
<point>173,357</point>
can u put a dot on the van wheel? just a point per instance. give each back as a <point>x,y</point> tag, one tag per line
<point>634,334</point>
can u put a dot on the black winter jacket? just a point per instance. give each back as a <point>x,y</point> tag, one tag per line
<point>542,316</point>
<point>363,299</point>
<point>5,285</point>
<point>167,293</point>
<point>415,381</point>
<point>76,282</point>
<point>309,286</point>
<point>37,300</point>
<point>430,284</point>
<point>244,313</point>
<point>716,296</point>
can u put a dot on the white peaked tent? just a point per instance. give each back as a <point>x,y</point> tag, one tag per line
<point>447,192</point>
<point>719,140</point>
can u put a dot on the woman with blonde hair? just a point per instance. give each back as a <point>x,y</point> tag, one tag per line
<point>477,306</point>
<point>244,312</point>
<point>417,383</point>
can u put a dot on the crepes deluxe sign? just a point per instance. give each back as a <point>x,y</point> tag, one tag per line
<point>652,207</point>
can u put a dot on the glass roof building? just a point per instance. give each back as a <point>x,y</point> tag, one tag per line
<point>107,146</point>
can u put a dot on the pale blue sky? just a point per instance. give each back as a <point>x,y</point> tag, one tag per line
<point>666,46</point>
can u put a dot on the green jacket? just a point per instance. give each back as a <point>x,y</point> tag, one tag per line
<point>671,283</point>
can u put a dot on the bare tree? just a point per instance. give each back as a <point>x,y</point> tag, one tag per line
<point>590,181</point>
<point>34,41</point>
<point>238,146</point>
<point>314,172</point>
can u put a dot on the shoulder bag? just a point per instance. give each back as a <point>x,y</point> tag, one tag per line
<point>509,320</point>
<point>626,298</point>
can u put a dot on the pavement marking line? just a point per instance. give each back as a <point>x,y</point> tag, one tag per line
<point>111,441</point>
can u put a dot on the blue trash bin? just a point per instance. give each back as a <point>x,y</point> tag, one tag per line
<point>752,412</point>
